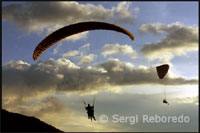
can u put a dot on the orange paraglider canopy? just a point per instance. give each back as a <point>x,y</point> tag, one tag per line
<point>162,70</point>
<point>74,29</point>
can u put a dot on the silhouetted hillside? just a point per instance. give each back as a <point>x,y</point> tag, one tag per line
<point>13,122</point>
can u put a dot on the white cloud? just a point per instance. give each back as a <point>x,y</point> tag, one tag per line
<point>71,53</point>
<point>179,40</point>
<point>80,54</point>
<point>81,51</point>
<point>188,100</point>
<point>87,59</point>
<point>123,13</point>
<point>110,49</point>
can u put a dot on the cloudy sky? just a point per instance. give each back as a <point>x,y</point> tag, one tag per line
<point>119,72</point>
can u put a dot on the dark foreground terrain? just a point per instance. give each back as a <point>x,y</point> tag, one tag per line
<point>13,122</point>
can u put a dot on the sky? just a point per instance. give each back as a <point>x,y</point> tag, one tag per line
<point>108,65</point>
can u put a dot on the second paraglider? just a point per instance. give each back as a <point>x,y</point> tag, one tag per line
<point>162,71</point>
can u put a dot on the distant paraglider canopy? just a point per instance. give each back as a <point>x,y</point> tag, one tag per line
<point>74,29</point>
<point>162,70</point>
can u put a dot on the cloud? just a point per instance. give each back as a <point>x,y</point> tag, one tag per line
<point>179,40</point>
<point>48,105</point>
<point>110,49</point>
<point>113,103</point>
<point>37,107</point>
<point>85,48</point>
<point>87,59</point>
<point>45,16</point>
<point>188,100</point>
<point>69,115</point>
<point>128,104</point>
<point>81,55</point>
<point>71,53</point>
<point>121,73</point>
<point>123,13</point>
<point>81,51</point>
<point>58,113</point>
<point>22,80</point>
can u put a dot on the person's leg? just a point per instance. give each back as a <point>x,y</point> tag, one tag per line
<point>94,117</point>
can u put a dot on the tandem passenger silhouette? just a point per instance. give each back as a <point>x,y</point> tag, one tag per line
<point>90,112</point>
<point>90,109</point>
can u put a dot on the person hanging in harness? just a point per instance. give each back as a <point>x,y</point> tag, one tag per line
<point>165,101</point>
<point>90,112</point>
<point>90,109</point>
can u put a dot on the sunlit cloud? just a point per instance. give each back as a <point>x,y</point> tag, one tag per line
<point>23,80</point>
<point>122,77</point>
<point>179,40</point>
<point>81,55</point>
<point>87,59</point>
<point>52,15</point>
<point>110,49</point>
<point>70,114</point>
<point>188,100</point>
<point>71,53</point>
